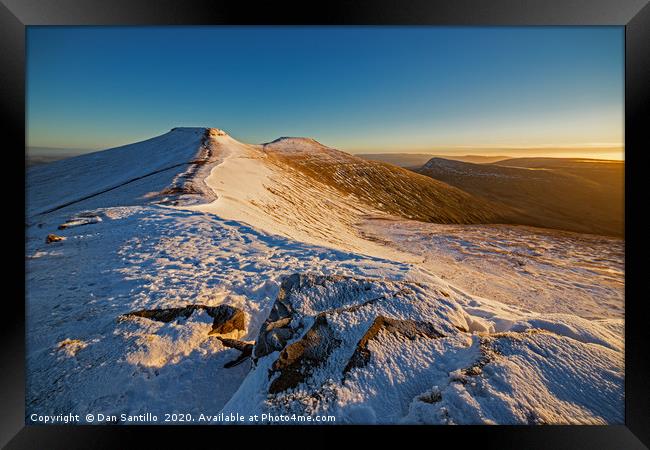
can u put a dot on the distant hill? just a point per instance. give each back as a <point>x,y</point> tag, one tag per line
<point>413,160</point>
<point>572,194</point>
<point>43,155</point>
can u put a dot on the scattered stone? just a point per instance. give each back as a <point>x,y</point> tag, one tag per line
<point>53,238</point>
<point>70,347</point>
<point>432,396</point>
<point>488,354</point>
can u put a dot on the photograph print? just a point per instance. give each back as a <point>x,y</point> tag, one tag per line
<point>325,225</point>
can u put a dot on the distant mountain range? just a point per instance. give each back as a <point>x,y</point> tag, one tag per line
<point>43,155</point>
<point>412,160</point>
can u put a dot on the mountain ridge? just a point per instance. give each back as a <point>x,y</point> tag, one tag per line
<point>572,194</point>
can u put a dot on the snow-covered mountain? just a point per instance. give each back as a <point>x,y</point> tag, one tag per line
<point>198,274</point>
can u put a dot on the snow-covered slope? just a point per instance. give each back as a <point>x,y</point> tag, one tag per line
<point>351,319</point>
<point>538,269</point>
<point>378,351</point>
<point>387,188</point>
<point>82,357</point>
<point>299,188</point>
<point>252,188</point>
<point>145,165</point>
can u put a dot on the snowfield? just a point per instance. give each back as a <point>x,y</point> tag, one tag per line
<point>348,311</point>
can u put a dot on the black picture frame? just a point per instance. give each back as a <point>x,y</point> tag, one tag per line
<point>15,15</point>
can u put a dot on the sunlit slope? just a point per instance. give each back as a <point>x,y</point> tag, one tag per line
<point>608,173</point>
<point>298,188</point>
<point>569,194</point>
<point>382,186</point>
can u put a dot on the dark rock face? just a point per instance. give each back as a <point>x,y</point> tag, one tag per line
<point>245,348</point>
<point>275,331</point>
<point>298,360</point>
<point>242,346</point>
<point>408,328</point>
<point>164,315</point>
<point>226,318</point>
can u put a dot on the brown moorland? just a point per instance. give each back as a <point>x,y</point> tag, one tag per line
<point>582,195</point>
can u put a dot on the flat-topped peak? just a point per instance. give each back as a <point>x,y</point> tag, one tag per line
<point>208,130</point>
<point>189,129</point>
<point>295,140</point>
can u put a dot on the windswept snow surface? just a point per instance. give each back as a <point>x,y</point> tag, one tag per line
<point>152,257</point>
<point>538,269</point>
<point>252,188</point>
<point>63,182</point>
<point>386,324</point>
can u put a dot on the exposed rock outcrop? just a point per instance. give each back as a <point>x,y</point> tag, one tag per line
<point>228,320</point>
<point>317,316</point>
<point>244,347</point>
<point>299,359</point>
<point>408,328</point>
<point>80,220</point>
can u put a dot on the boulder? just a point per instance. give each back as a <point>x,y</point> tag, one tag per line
<point>80,220</point>
<point>228,320</point>
<point>53,238</point>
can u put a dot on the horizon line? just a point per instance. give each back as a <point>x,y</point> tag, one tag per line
<point>430,148</point>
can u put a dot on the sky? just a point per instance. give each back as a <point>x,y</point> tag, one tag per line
<point>478,90</point>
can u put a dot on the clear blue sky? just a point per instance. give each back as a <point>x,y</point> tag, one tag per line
<point>360,89</point>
